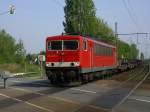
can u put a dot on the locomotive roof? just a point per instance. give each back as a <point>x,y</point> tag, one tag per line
<point>95,40</point>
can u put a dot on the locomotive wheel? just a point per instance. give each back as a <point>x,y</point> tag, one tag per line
<point>51,77</point>
<point>52,80</point>
<point>71,76</point>
<point>58,77</point>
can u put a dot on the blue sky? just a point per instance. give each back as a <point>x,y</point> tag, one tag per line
<point>34,20</point>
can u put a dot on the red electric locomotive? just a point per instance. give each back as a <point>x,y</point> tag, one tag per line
<point>76,58</point>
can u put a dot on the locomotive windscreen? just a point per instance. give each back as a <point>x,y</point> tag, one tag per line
<point>63,45</point>
<point>70,45</point>
<point>55,45</point>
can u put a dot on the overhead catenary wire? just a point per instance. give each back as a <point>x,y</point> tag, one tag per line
<point>129,4</point>
<point>126,5</point>
<point>133,12</point>
<point>57,2</point>
<point>131,15</point>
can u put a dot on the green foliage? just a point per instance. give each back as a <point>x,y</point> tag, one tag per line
<point>127,51</point>
<point>30,58</point>
<point>20,52</point>
<point>80,19</point>
<point>134,51</point>
<point>19,68</point>
<point>10,51</point>
<point>104,31</point>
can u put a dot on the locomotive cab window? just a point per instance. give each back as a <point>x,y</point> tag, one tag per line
<point>84,45</point>
<point>49,45</point>
<point>70,45</point>
<point>55,45</point>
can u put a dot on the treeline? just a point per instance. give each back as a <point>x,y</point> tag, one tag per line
<point>13,57</point>
<point>10,50</point>
<point>81,19</point>
<point>127,51</point>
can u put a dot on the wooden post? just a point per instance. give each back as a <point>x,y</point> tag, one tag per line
<point>41,63</point>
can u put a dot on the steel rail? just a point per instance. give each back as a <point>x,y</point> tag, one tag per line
<point>117,87</point>
<point>135,87</point>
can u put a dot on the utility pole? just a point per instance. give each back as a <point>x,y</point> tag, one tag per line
<point>116,31</point>
<point>137,38</point>
<point>116,36</point>
<point>138,43</point>
<point>80,17</point>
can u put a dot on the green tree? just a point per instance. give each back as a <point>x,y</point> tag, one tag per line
<point>127,51</point>
<point>20,52</point>
<point>134,51</point>
<point>7,48</point>
<point>123,50</point>
<point>79,17</point>
<point>104,31</point>
<point>10,51</point>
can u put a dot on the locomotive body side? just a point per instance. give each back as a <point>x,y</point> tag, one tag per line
<point>97,56</point>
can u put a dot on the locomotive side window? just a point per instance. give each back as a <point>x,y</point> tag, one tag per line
<point>84,45</point>
<point>55,45</point>
<point>70,45</point>
<point>102,50</point>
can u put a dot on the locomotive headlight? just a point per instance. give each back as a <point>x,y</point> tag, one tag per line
<point>52,64</point>
<point>77,63</point>
<point>63,64</point>
<point>72,64</point>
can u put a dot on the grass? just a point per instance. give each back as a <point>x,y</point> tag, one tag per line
<point>21,68</point>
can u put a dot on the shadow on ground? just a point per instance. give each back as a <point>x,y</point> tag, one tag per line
<point>8,102</point>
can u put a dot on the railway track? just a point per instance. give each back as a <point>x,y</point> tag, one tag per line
<point>43,102</point>
<point>139,100</point>
<point>112,99</point>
